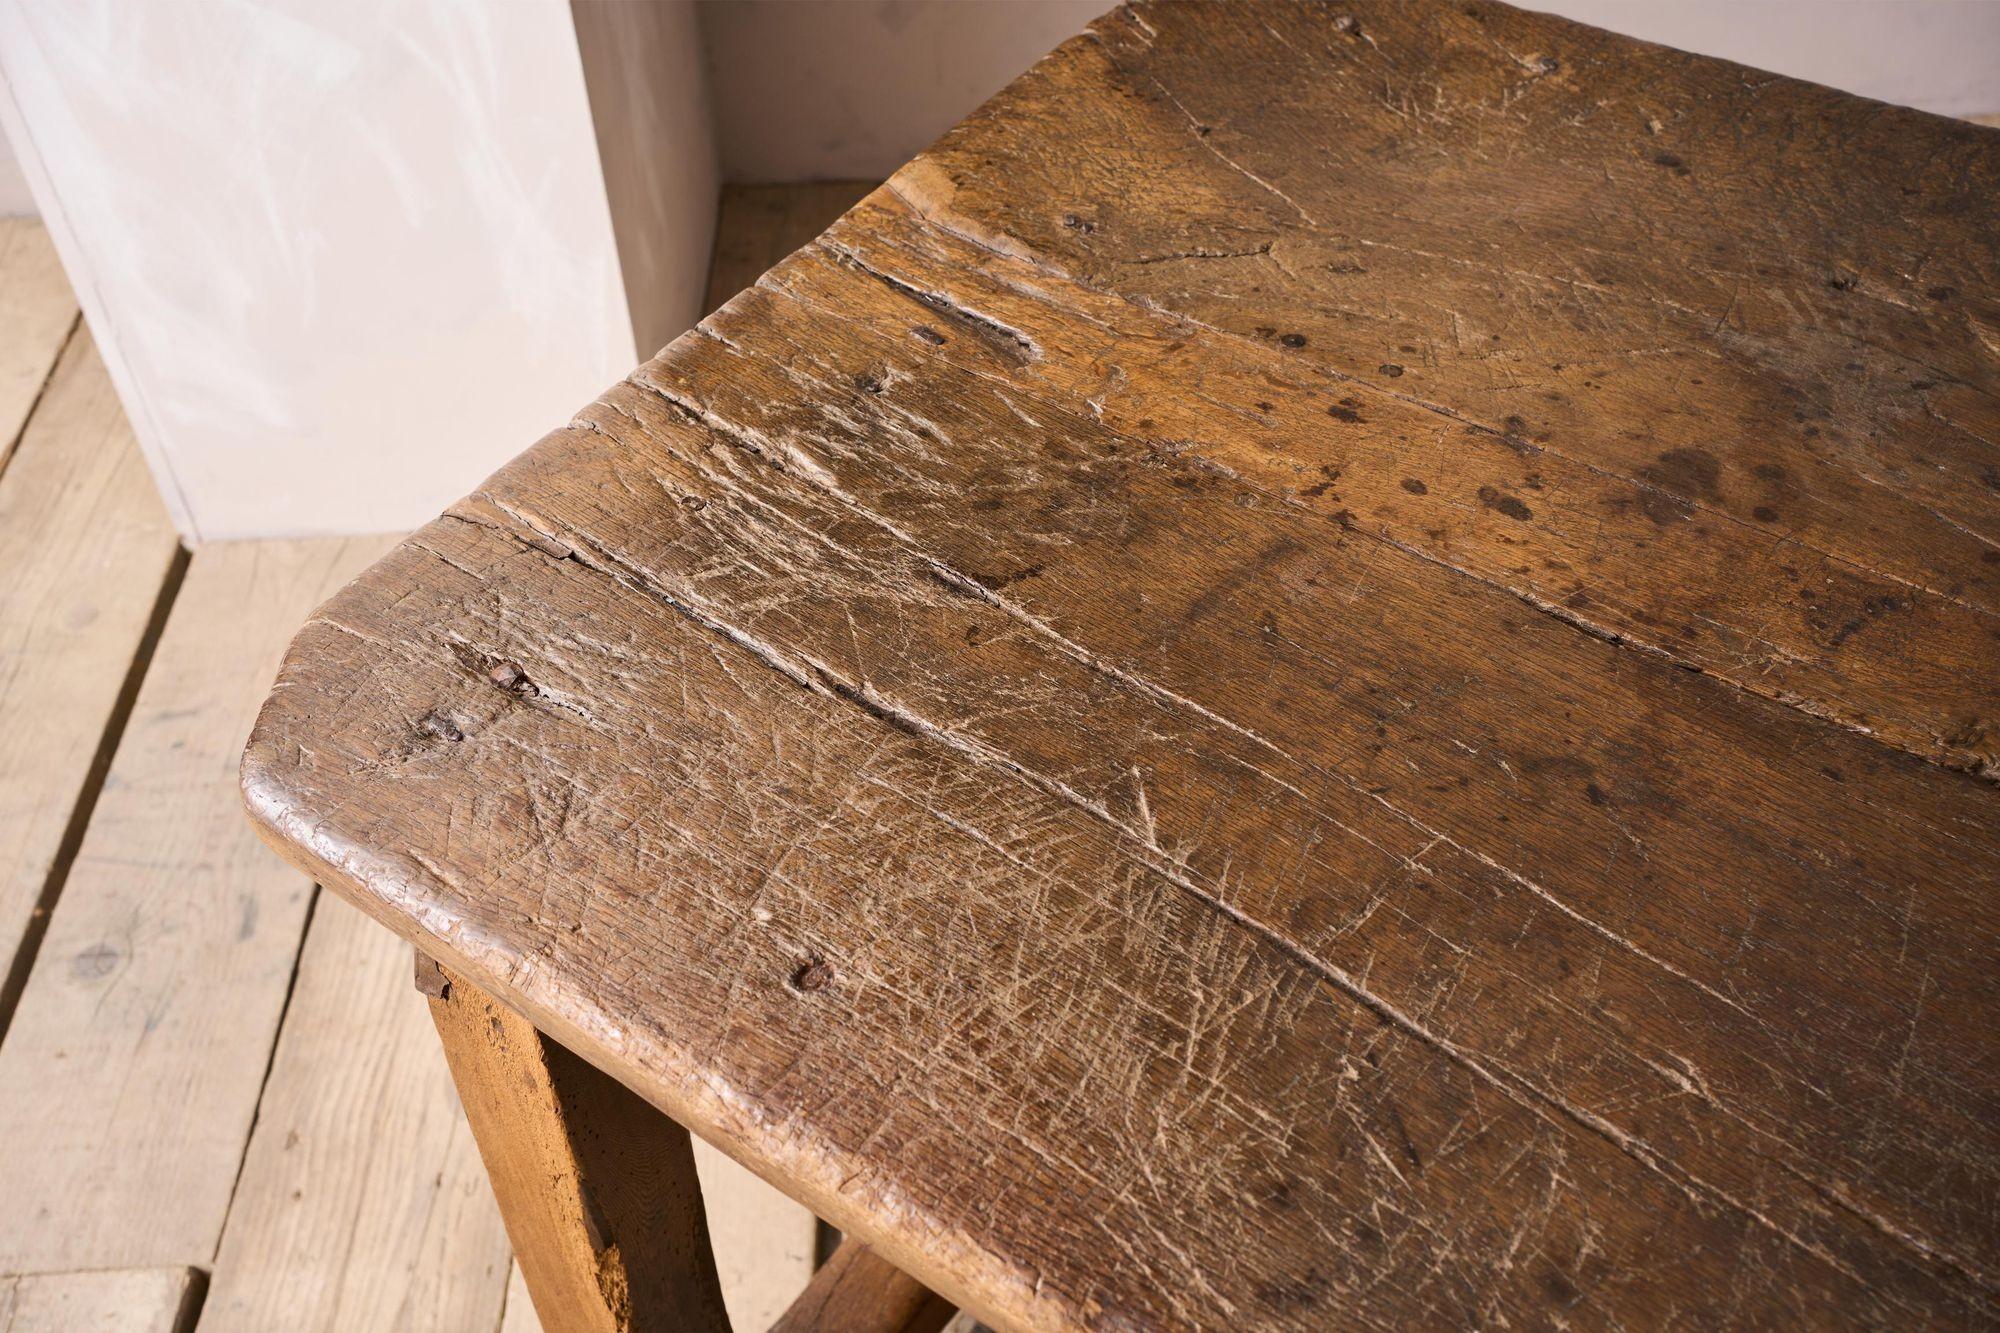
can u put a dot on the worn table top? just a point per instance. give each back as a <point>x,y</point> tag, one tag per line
<point>1338,665</point>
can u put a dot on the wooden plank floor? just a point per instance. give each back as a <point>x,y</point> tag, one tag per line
<point>90,561</point>
<point>136,1301</point>
<point>221,1102</point>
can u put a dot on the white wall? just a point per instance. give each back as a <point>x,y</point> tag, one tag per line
<point>649,102</point>
<point>343,259</point>
<point>822,89</point>
<point>812,90</point>
<point>15,200</point>
<point>1938,55</point>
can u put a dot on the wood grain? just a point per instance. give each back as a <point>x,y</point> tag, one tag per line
<point>130,1075</point>
<point>362,1203</point>
<point>1194,722</point>
<point>37,313</point>
<point>1709,370</point>
<point>598,1189</point>
<point>88,553</point>
<point>856,1291</point>
<point>764,1243</point>
<point>160,1300</point>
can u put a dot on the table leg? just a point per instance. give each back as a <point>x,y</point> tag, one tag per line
<point>597,1188</point>
<point>858,1291</point>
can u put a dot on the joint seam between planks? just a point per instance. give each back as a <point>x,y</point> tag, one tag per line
<point>817,678</point>
<point>85,805</point>
<point>270,1062</point>
<point>1789,699</point>
<point>13,445</point>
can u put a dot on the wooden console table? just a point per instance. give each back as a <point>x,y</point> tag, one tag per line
<point>1339,666</point>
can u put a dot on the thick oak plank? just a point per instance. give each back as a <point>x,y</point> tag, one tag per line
<point>160,1300</point>
<point>1625,558</point>
<point>1265,717</point>
<point>362,1203</point>
<point>764,1243</point>
<point>975,730</point>
<point>130,1075</point>
<point>1691,355</point>
<point>804,842</point>
<point>89,555</point>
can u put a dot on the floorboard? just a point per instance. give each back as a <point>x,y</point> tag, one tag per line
<point>757,225</point>
<point>37,314</point>
<point>160,1300</point>
<point>131,1073</point>
<point>363,1204</point>
<point>520,1314</point>
<point>763,1241</point>
<point>88,552</point>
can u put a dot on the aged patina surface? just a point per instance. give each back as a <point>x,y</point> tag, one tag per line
<point>1338,665</point>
